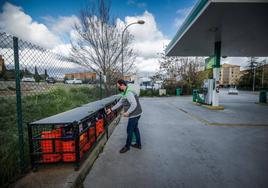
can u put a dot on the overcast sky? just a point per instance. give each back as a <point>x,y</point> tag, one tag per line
<point>50,24</point>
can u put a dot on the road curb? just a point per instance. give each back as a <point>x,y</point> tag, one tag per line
<point>209,107</point>
<point>263,104</point>
<point>219,124</point>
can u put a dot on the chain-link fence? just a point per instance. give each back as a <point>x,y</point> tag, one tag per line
<point>35,83</point>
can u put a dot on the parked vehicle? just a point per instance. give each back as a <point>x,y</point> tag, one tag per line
<point>74,81</point>
<point>59,80</point>
<point>28,79</point>
<point>50,80</point>
<point>233,91</point>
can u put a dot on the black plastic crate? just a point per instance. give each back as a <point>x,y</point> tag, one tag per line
<point>67,136</point>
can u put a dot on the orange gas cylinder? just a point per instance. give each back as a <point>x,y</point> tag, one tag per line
<point>47,145</point>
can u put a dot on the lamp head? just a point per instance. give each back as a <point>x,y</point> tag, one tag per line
<point>140,22</point>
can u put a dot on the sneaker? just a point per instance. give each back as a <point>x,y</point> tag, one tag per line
<point>124,150</point>
<point>136,146</point>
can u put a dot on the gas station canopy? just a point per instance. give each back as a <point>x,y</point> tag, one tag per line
<point>240,25</point>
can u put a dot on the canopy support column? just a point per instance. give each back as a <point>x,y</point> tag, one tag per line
<point>216,73</point>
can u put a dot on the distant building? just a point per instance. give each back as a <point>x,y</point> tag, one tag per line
<point>229,74</point>
<point>82,76</point>
<point>128,78</point>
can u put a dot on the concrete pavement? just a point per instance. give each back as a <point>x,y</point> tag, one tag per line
<point>238,109</point>
<point>180,150</point>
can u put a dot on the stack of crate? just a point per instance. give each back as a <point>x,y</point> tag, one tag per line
<point>67,136</point>
<point>68,146</point>
<point>52,143</point>
<point>64,144</point>
<point>99,127</point>
<point>90,139</point>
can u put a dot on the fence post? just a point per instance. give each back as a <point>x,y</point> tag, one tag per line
<point>18,102</point>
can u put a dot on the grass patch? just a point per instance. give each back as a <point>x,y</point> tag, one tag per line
<point>33,108</point>
<point>11,88</point>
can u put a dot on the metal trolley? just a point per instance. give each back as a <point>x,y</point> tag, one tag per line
<point>68,136</point>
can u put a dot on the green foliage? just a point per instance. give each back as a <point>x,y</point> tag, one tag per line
<point>46,75</point>
<point>149,93</point>
<point>26,72</point>
<point>11,88</point>
<point>184,69</point>
<point>9,74</point>
<point>34,108</point>
<point>187,88</point>
<point>37,77</point>
<point>246,80</point>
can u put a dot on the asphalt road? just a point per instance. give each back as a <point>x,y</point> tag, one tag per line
<point>179,150</point>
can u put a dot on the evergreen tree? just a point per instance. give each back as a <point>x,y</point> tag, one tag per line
<point>37,77</point>
<point>247,79</point>
<point>46,75</point>
<point>26,72</point>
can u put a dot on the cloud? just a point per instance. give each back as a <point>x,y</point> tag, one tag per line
<point>148,40</point>
<point>241,61</point>
<point>149,49</point>
<point>62,26</point>
<point>184,11</point>
<point>56,34</point>
<point>149,65</point>
<point>14,21</point>
<point>65,24</point>
<point>63,49</point>
<point>182,14</point>
<point>178,22</point>
<point>145,32</point>
<point>56,65</point>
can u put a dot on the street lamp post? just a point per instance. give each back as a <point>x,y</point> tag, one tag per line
<point>122,45</point>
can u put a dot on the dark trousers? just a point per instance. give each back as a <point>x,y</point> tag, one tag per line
<point>132,126</point>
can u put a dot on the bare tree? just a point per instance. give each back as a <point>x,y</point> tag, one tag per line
<point>182,70</point>
<point>169,66</point>
<point>98,43</point>
<point>184,67</point>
